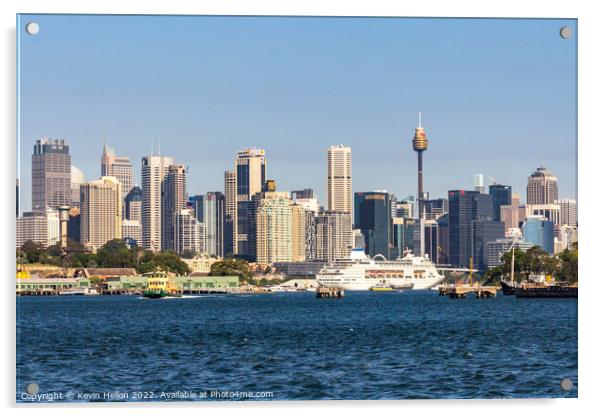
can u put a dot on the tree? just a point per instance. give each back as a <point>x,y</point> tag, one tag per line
<point>519,263</point>
<point>232,267</point>
<point>115,253</point>
<point>33,251</point>
<point>568,267</point>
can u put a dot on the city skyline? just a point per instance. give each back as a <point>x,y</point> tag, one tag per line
<point>480,108</point>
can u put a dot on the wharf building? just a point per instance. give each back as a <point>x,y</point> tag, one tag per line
<point>50,174</point>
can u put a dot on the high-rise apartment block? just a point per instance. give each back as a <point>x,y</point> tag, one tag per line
<point>230,219</point>
<point>39,227</point>
<point>273,234</point>
<point>50,175</point>
<point>334,235</point>
<point>568,212</point>
<point>189,233</point>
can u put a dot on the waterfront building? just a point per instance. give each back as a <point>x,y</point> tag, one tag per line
<point>372,216</point>
<point>495,249</point>
<point>334,236</point>
<point>189,233</point>
<point>542,187</point>
<point>479,183</point>
<point>403,232</point>
<point>500,195</point>
<point>133,205</point>
<point>230,220</point>
<point>119,167</point>
<point>154,171</point>
<point>50,174</point>
<point>39,227</point>
<point>464,208</point>
<point>173,200</point>
<point>435,208</point>
<point>484,231</point>
<point>540,232</point>
<point>250,167</point>
<point>77,178</point>
<point>131,231</point>
<point>568,212</point>
<point>100,211</point>
<point>339,178</point>
<point>274,234</point>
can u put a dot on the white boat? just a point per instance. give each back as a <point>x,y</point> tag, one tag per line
<point>360,272</point>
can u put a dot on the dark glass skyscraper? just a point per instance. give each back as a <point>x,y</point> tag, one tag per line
<point>500,195</point>
<point>483,231</point>
<point>372,215</point>
<point>464,207</point>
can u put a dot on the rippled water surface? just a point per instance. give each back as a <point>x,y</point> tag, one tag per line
<point>295,346</point>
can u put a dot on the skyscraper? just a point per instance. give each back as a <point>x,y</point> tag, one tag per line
<point>298,230</point>
<point>214,210</point>
<point>334,235</point>
<point>372,216</point>
<point>250,179</point>
<point>189,233</point>
<point>568,212</point>
<point>174,200</point>
<point>339,178</point>
<point>77,178</point>
<point>542,187</point>
<point>306,193</point>
<point>479,183</point>
<point>100,211</point>
<point>230,220</point>
<point>464,207</point>
<point>133,205</point>
<point>118,167</point>
<point>273,234</point>
<point>39,227</point>
<point>50,174</point>
<point>500,195</point>
<point>434,208</point>
<point>154,170</point>
<point>484,231</point>
<point>540,232</point>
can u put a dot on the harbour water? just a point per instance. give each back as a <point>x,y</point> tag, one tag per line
<point>293,346</point>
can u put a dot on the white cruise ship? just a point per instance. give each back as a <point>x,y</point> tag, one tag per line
<point>360,272</point>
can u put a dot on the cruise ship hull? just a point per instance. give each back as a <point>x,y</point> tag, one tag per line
<point>359,272</point>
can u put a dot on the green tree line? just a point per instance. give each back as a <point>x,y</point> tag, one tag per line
<point>114,253</point>
<point>562,266</point>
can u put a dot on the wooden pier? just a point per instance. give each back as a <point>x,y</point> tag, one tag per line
<point>330,292</point>
<point>460,291</point>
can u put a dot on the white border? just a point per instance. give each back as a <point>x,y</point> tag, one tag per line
<point>590,68</point>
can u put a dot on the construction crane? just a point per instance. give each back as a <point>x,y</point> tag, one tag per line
<point>493,181</point>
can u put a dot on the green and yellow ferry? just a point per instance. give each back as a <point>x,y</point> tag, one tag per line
<point>159,285</point>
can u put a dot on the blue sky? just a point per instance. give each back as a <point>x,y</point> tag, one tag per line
<point>497,96</point>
